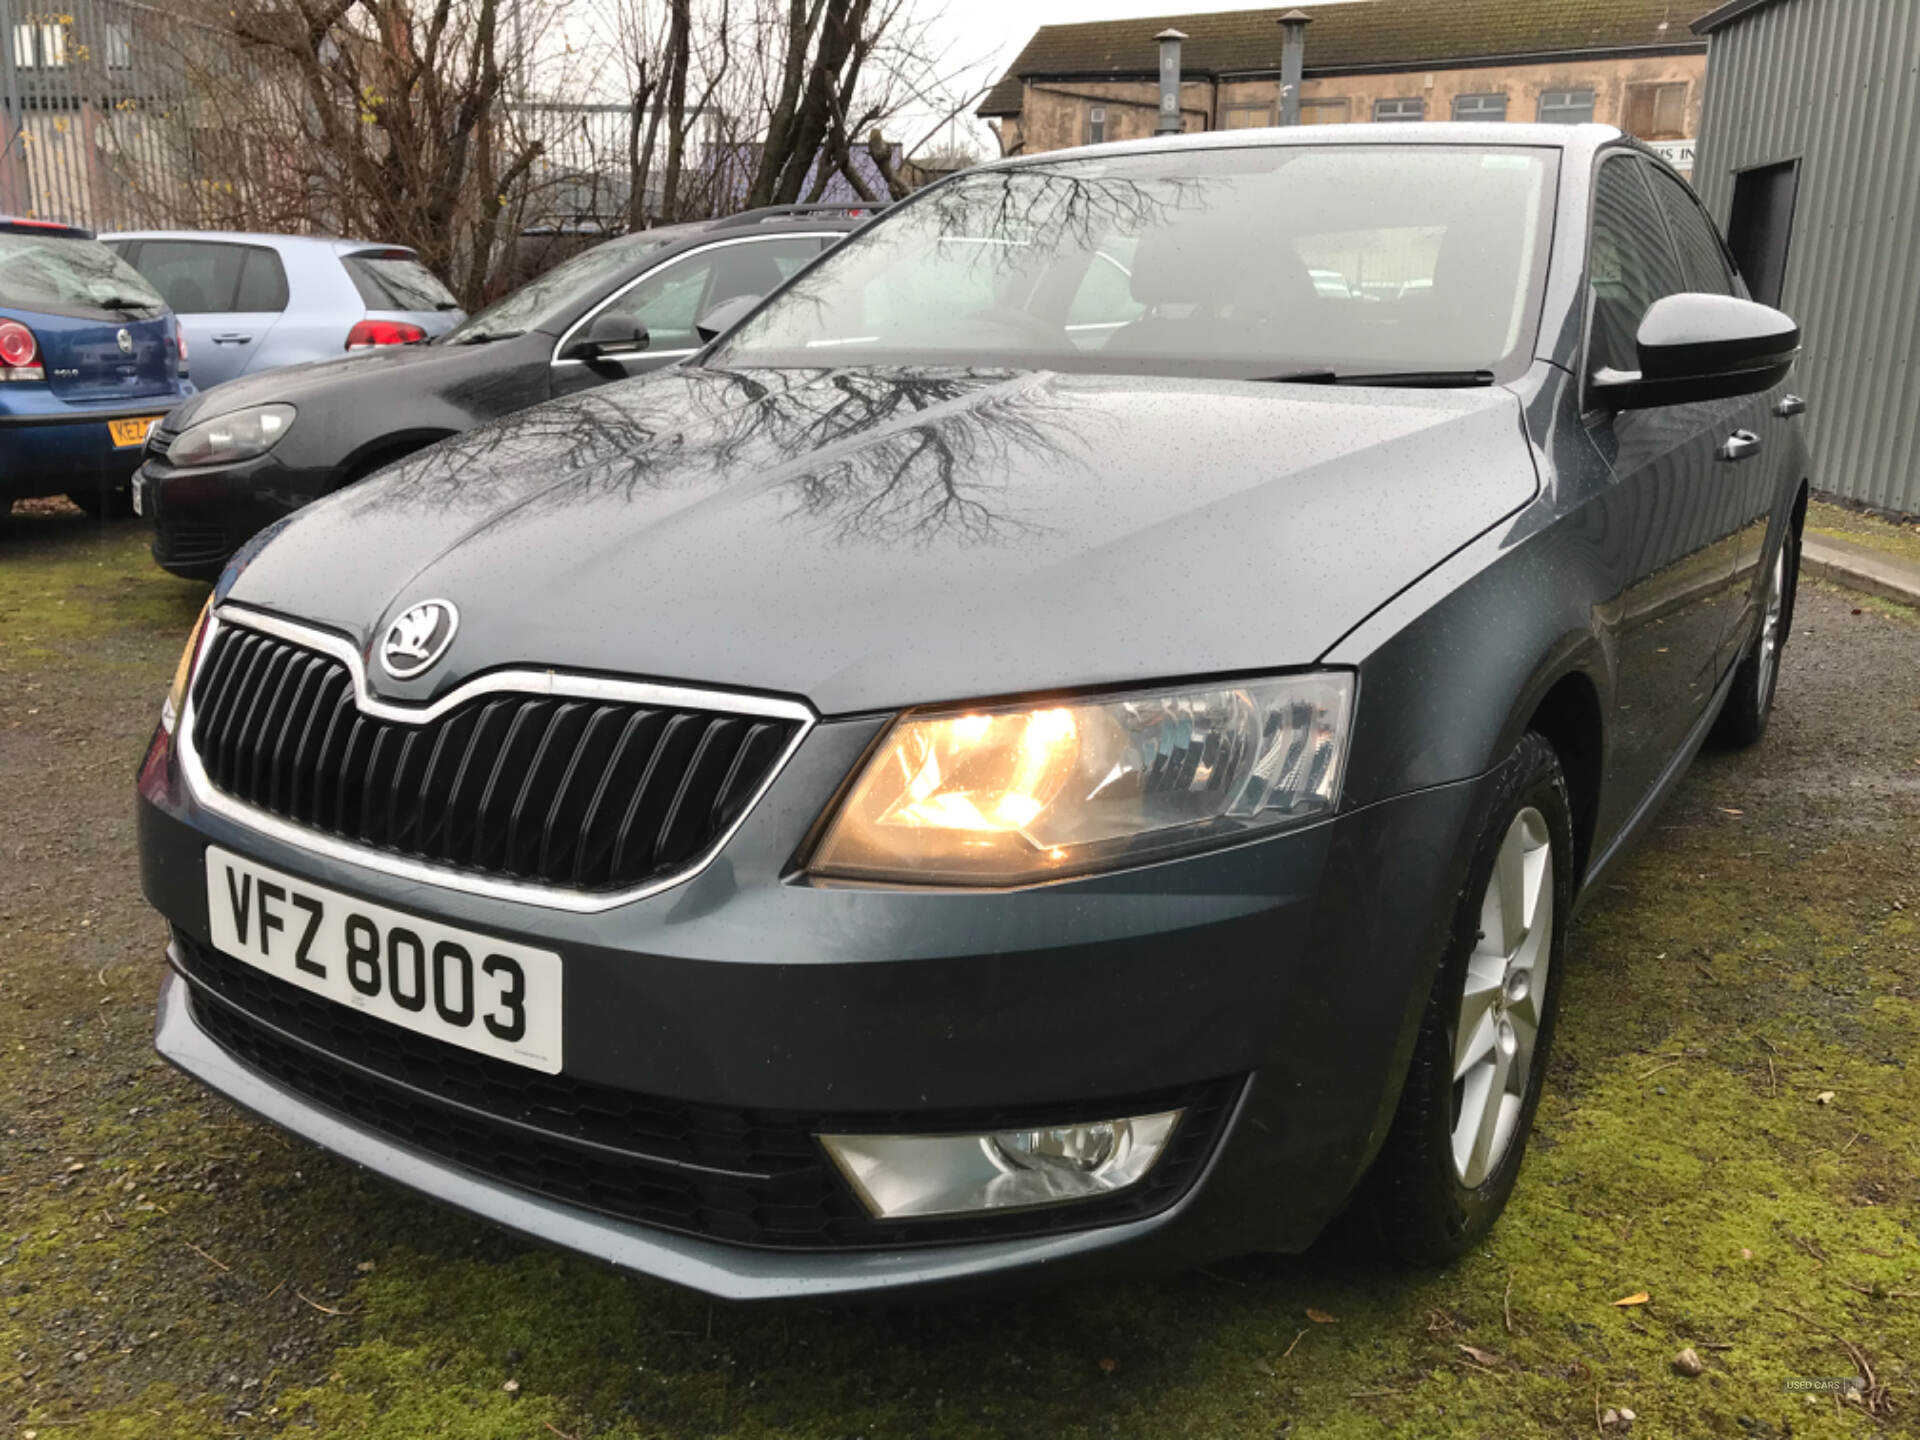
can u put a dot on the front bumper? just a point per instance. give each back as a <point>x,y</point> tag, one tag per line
<point>730,1272</point>
<point>1282,968</point>
<point>201,517</point>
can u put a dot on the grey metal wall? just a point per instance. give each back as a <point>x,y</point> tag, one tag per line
<point>1836,85</point>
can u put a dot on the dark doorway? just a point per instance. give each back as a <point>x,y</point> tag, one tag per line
<point>1760,226</point>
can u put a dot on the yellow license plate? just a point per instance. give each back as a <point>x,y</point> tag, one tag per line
<point>131,432</point>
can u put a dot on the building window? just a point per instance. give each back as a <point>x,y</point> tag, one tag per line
<point>1479,107</point>
<point>1656,112</point>
<point>1409,108</point>
<point>1325,112</point>
<point>1247,117</point>
<point>119,47</point>
<point>50,54</point>
<point>1566,107</point>
<point>1096,124</point>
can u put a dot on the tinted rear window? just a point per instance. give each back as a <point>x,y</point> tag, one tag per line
<point>397,282</point>
<point>62,275</point>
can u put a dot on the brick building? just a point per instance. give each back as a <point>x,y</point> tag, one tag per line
<point>1632,63</point>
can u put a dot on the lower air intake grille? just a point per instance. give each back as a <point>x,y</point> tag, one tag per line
<point>750,1177</point>
<point>584,794</point>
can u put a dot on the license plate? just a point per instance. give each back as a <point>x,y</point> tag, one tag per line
<point>471,990</point>
<point>131,432</point>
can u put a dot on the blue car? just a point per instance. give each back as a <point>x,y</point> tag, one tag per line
<point>90,359</point>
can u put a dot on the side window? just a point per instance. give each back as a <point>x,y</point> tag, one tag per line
<point>1701,259</point>
<point>758,267</point>
<point>1105,300</point>
<point>1629,263</point>
<point>667,301</point>
<point>195,277</point>
<point>263,282</point>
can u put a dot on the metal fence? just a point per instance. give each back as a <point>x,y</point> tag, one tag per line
<point>98,107</point>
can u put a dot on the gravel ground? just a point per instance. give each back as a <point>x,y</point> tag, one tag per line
<point>1731,1128</point>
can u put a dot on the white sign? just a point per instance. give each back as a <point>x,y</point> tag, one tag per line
<point>1677,153</point>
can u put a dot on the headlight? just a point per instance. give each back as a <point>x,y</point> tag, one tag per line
<point>183,672</point>
<point>1012,794</point>
<point>226,438</point>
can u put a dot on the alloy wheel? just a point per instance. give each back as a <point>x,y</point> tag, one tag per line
<point>1770,626</point>
<point>1502,999</point>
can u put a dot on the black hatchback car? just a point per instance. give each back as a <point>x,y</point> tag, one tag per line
<point>222,468</point>
<point>1066,738</point>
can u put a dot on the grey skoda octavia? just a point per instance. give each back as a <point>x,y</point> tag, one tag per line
<point>1065,738</point>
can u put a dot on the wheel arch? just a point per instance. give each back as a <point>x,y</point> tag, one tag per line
<point>1570,718</point>
<point>388,448</point>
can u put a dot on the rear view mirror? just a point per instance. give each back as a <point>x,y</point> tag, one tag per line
<point>724,316</point>
<point>607,336</point>
<point>1702,347</point>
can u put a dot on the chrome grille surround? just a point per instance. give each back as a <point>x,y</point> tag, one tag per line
<point>525,683</point>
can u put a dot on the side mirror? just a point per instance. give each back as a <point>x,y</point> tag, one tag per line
<point>607,337</point>
<point>1702,347</point>
<point>724,316</point>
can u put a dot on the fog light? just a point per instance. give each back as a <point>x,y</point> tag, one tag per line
<point>909,1175</point>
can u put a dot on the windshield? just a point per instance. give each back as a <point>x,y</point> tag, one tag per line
<point>59,274</point>
<point>1230,262</point>
<point>543,303</point>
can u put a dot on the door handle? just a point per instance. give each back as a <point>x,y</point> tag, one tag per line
<point>231,338</point>
<point>1789,406</point>
<point>1740,445</point>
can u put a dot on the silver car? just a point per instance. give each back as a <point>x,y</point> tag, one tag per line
<point>251,302</point>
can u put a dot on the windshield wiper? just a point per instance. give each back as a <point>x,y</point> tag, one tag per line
<point>124,302</point>
<point>1411,379</point>
<point>481,337</point>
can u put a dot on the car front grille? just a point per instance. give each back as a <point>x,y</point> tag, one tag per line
<point>582,794</point>
<point>188,543</point>
<point>749,1177</point>
<point>158,443</point>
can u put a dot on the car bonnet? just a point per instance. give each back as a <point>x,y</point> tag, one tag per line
<point>873,538</point>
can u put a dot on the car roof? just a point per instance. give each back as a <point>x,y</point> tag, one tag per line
<point>331,243</point>
<point>1574,139</point>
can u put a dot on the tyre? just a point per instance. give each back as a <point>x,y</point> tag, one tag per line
<point>1743,719</point>
<point>1453,1153</point>
<point>119,502</point>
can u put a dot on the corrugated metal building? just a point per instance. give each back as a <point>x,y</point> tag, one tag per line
<point>1810,156</point>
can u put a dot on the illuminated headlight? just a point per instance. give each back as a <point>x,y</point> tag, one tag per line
<point>1012,794</point>
<point>227,438</point>
<point>908,1175</point>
